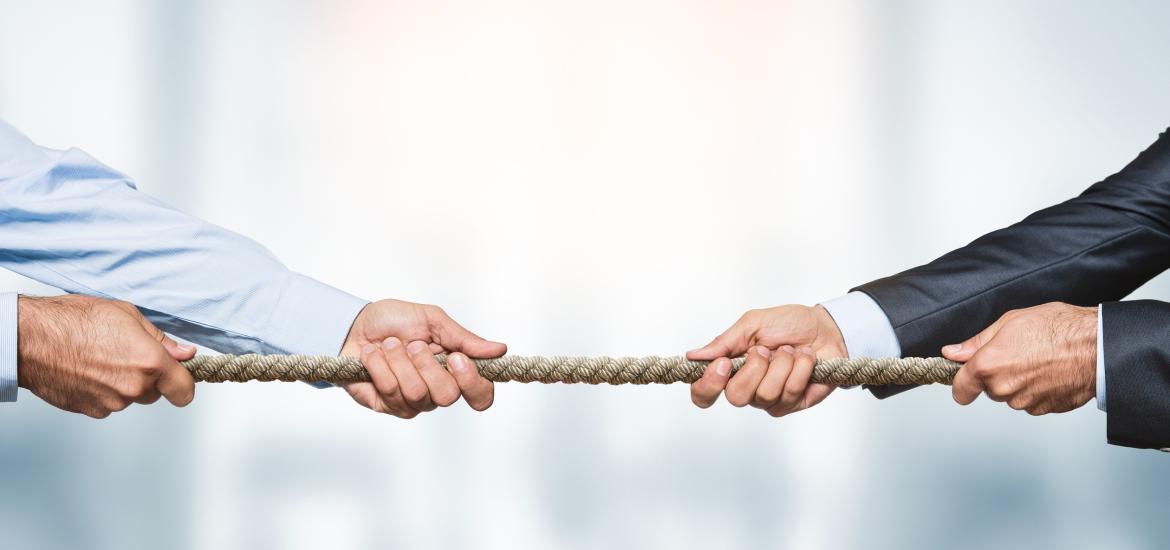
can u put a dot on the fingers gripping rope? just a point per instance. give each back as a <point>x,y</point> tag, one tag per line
<point>568,370</point>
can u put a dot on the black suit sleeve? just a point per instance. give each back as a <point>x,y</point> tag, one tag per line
<point>1097,247</point>
<point>1137,372</point>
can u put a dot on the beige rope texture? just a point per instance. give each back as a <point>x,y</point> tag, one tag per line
<point>568,370</point>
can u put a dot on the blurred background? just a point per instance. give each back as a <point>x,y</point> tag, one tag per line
<point>587,177</point>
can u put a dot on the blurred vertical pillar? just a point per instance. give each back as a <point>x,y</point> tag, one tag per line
<point>171,88</point>
<point>895,35</point>
<point>171,107</point>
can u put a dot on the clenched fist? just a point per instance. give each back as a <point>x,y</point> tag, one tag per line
<point>93,356</point>
<point>1041,359</point>
<point>782,345</point>
<point>397,342</point>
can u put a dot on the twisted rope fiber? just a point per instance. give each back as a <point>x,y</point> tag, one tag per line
<point>568,370</point>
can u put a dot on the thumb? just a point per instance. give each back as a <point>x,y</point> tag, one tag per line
<point>965,350</point>
<point>180,352</point>
<point>453,337</point>
<point>734,342</point>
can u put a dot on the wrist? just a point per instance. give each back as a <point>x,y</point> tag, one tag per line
<point>28,334</point>
<point>1083,331</point>
<point>40,326</point>
<point>829,335</point>
<point>355,336</point>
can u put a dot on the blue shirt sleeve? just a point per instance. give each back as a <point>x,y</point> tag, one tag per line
<point>71,222</point>
<point>7,347</point>
<point>1100,358</point>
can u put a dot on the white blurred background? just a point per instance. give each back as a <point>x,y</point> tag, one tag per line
<point>587,177</point>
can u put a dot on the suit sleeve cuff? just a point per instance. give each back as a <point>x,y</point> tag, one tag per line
<point>8,328</point>
<point>312,318</point>
<point>864,326</point>
<point>1100,358</point>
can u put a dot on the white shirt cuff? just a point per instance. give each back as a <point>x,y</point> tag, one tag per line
<point>1100,358</point>
<point>312,318</point>
<point>8,331</point>
<point>866,329</point>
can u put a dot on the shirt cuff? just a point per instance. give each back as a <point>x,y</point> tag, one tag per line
<point>1100,358</point>
<point>8,320</point>
<point>312,318</point>
<point>864,326</point>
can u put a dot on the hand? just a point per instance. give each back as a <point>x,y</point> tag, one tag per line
<point>1042,359</point>
<point>775,376</point>
<point>397,342</point>
<point>95,357</point>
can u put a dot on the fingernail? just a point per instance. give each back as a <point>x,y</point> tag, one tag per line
<point>391,343</point>
<point>806,350</point>
<point>788,348</point>
<point>416,346</point>
<point>722,367</point>
<point>764,352</point>
<point>186,348</point>
<point>457,362</point>
<point>368,348</point>
<point>953,348</point>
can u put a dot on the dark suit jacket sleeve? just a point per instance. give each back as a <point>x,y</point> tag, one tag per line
<point>1137,372</point>
<point>1097,247</point>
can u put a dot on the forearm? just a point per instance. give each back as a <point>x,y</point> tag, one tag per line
<point>1095,248</point>
<point>73,223</point>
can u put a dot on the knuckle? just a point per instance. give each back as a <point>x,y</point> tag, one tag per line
<point>790,394</point>
<point>132,388</point>
<point>105,310</point>
<point>388,389</point>
<point>415,395</point>
<point>446,397</point>
<point>982,369</point>
<point>151,368</point>
<point>115,404</point>
<point>737,399</point>
<point>1000,389</point>
<point>768,395</point>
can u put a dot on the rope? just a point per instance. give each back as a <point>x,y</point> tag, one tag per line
<point>568,370</point>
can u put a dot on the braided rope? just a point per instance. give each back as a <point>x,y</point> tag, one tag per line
<point>568,370</point>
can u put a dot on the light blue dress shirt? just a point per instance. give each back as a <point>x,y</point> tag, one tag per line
<point>868,332</point>
<point>69,221</point>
